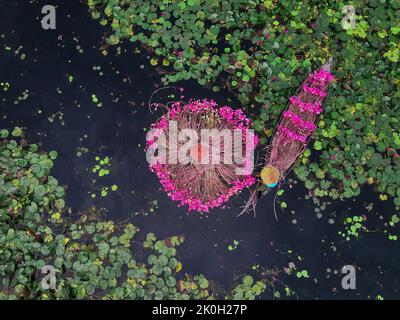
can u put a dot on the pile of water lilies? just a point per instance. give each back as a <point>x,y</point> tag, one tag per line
<point>202,153</point>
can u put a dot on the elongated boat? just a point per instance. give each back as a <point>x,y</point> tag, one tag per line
<point>294,130</point>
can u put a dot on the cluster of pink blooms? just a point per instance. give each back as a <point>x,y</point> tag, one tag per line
<point>186,199</point>
<point>198,106</point>
<point>316,79</point>
<point>321,76</point>
<point>175,110</point>
<point>238,120</point>
<point>306,107</point>
<point>162,123</point>
<point>235,117</point>
<point>314,91</point>
<point>299,122</point>
<point>291,135</point>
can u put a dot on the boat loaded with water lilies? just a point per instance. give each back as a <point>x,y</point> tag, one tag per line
<point>294,130</point>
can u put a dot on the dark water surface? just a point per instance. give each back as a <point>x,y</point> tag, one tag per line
<point>61,115</point>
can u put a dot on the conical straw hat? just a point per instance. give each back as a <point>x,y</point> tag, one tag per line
<point>270,176</point>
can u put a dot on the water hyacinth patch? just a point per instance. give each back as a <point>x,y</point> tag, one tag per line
<point>234,245</point>
<point>96,101</point>
<point>102,168</point>
<point>353,227</point>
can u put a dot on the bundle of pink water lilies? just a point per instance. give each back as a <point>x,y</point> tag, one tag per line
<point>199,184</point>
